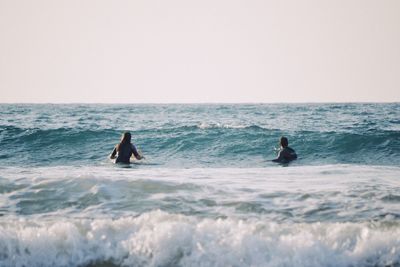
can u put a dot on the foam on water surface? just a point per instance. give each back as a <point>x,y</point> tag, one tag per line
<point>207,194</point>
<point>162,239</point>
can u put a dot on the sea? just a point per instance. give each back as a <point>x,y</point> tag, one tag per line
<point>207,193</point>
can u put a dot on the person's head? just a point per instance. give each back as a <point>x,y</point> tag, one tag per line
<point>126,138</point>
<point>284,142</point>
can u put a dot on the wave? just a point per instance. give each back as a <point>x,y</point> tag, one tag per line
<point>334,193</point>
<point>194,144</point>
<point>162,239</point>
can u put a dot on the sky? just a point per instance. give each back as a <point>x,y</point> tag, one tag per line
<point>186,51</point>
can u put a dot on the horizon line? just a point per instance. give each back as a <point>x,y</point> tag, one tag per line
<point>199,103</point>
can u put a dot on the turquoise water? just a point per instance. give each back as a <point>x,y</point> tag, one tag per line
<point>206,194</point>
<point>201,135</point>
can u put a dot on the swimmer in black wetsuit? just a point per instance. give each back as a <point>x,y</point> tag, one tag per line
<point>286,153</point>
<point>124,150</point>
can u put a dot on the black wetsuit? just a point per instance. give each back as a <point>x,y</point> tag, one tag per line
<point>285,155</point>
<point>125,152</point>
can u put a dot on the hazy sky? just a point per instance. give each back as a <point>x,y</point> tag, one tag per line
<point>199,51</point>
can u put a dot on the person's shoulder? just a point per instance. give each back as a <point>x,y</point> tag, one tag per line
<point>286,150</point>
<point>290,149</point>
<point>292,153</point>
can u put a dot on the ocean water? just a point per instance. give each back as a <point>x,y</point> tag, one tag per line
<point>207,193</point>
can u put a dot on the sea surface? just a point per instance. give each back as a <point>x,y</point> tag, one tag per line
<point>207,193</point>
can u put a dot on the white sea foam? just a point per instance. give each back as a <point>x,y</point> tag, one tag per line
<point>335,215</point>
<point>206,125</point>
<point>161,239</point>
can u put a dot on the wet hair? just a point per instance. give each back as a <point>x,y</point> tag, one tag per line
<point>284,141</point>
<point>125,139</point>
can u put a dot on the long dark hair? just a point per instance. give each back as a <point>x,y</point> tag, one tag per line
<point>284,142</point>
<point>125,139</point>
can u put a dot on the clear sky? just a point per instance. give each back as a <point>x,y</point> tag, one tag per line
<point>199,51</point>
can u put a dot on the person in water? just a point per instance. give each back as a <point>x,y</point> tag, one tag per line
<point>286,153</point>
<point>124,150</point>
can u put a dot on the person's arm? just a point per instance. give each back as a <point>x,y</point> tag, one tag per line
<point>136,153</point>
<point>114,152</point>
<point>279,158</point>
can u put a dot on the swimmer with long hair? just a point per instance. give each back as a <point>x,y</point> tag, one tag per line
<point>125,149</point>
